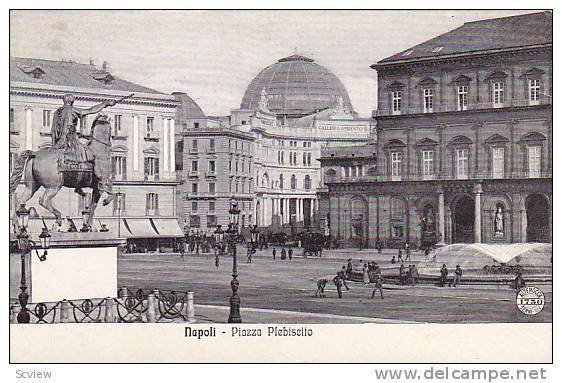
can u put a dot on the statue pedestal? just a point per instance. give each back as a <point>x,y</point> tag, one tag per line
<point>78,266</point>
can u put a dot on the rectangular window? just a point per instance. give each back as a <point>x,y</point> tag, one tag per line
<point>534,92</point>
<point>397,102</point>
<point>212,144</point>
<point>428,100</point>
<point>46,118</point>
<point>396,166</point>
<point>212,167</point>
<point>498,162</point>
<point>211,206</point>
<point>119,204</point>
<point>498,94</point>
<point>194,166</point>
<point>211,220</point>
<point>119,167</point>
<point>194,207</point>
<point>194,188</point>
<point>196,125</point>
<point>462,164</point>
<point>194,221</point>
<point>462,97</point>
<point>152,204</point>
<point>149,126</point>
<point>194,145</point>
<point>212,187</point>
<point>151,168</point>
<point>534,160</point>
<point>427,167</point>
<point>346,171</point>
<point>117,125</point>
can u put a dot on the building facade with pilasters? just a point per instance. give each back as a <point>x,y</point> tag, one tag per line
<point>464,141</point>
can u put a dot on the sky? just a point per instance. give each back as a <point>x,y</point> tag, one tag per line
<point>214,55</point>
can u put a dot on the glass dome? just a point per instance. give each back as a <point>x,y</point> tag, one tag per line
<point>296,86</point>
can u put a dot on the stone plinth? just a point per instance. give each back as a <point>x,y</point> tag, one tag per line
<point>79,265</point>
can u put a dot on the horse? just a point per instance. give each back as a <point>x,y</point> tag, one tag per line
<point>39,168</point>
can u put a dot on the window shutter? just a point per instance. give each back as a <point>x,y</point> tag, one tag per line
<point>156,168</point>
<point>124,168</point>
<point>113,167</point>
<point>146,168</point>
<point>155,204</point>
<point>147,203</point>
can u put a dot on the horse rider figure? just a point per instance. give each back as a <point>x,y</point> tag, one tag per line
<point>65,138</point>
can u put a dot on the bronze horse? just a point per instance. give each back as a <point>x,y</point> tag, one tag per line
<point>40,169</point>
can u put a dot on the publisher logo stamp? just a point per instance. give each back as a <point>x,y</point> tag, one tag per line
<point>530,300</point>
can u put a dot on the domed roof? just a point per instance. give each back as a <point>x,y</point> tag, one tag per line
<point>188,108</point>
<point>295,86</point>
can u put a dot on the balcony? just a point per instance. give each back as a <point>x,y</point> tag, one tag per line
<point>211,151</point>
<point>210,174</point>
<point>193,151</point>
<point>193,174</point>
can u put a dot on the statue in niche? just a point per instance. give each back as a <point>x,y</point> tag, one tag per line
<point>499,229</point>
<point>428,220</point>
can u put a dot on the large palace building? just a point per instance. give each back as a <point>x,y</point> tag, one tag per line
<point>464,142</point>
<point>265,153</point>
<point>142,150</point>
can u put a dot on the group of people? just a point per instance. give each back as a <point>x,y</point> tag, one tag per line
<point>284,253</point>
<point>444,276</point>
<point>409,276</point>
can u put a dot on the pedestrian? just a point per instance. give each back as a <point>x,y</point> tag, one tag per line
<point>283,254</point>
<point>393,260</point>
<point>349,268</point>
<point>217,261</point>
<point>414,275</point>
<point>400,255</point>
<point>378,285</point>
<point>320,286</point>
<point>366,278</point>
<point>401,275</point>
<point>338,282</point>
<point>518,282</point>
<point>290,253</point>
<point>407,248</point>
<point>443,278</point>
<point>458,275</point>
<point>273,252</point>
<point>343,277</point>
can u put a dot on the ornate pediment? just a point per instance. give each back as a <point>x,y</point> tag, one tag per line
<point>395,85</point>
<point>461,79</point>
<point>119,149</point>
<point>394,144</point>
<point>426,142</point>
<point>460,140</point>
<point>151,150</point>
<point>496,139</point>
<point>427,82</point>
<point>533,136</point>
<point>497,75</point>
<point>533,73</point>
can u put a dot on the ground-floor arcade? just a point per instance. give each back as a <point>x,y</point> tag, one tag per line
<point>429,212</point>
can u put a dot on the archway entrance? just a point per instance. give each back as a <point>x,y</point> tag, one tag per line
<point>538,214</point>
<point>463,221</point>
<point>359,227</point>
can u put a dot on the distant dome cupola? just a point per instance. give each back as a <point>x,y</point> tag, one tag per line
<point>295,86</point>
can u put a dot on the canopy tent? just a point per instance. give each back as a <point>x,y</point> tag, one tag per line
<point>140,228</point>
<point>167,227</point>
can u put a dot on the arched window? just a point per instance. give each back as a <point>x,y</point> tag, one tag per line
<point>307,182</point>
<point>293,182</point>
<point>281,181</point>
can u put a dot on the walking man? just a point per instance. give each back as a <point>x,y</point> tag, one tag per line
<point>338,282</point>
<point>343,277</point>
<point>400,256</point>
<point>273,252</point>
<point>444,273</point>
<point>290,253</point>
<point>458,275</point>
<point>378,285</point>
<point>407,248</point>
<point>217,261</point>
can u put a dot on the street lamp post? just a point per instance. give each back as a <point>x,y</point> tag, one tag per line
<point>253,245</point>
<point>233,238</point>
<point>26,246</point>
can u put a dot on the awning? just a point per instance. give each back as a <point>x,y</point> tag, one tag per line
<point>140,228</point>
<point>167,227</point>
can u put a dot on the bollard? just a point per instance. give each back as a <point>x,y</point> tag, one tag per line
<point>109,314</point>
<point>151,309</point>
<point>64,311</point>
<point>190,309</point>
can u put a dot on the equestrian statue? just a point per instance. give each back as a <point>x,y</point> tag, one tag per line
<point>68,162</point>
